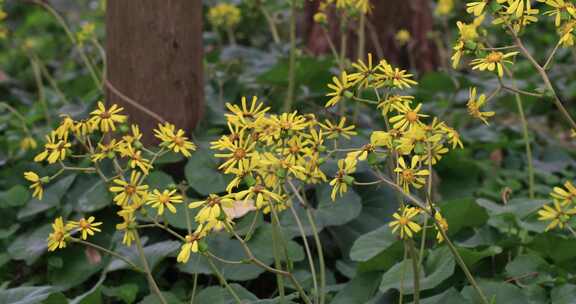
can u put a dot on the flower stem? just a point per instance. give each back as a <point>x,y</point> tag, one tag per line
<point>223,281</point>
<point>415,268</point>
<point>149,276</point>
<point>320,255</point>
<point>292,60</point>
<point>109,252</point>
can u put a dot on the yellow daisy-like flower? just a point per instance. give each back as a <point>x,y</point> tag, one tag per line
<point>444,7</point>
<point>343,179</point>
<point>133,137</point>
<point>564,195</point>
<point>404,222</point>
<point>237,150</point>
<point>57,238</point>
<point>402,37</point>
<point>211,208</point>
<point>436,153</point>
<point>245,115</point>
<point>129,192</point>
<point>84,127</point>
<point>394,77</point>
<point>441,224</point>
<point>476,8</point>
<point>174,140</point>
<point>166,198</point>
<point>104,150</point>
<point>475,105</point>
<point>339,89</point>
<point>453,137</point>
<point>381,139</point>
<point>365,74</point>
<point>224,15</point>
<point>393,101</point>
<point>85,226</point>
<point>262,196</point>
<point>54,150</point>
<point>36,185</point>
<point>411,175</point>
<point>334,131</point>
<point>105,119</point>
<point>558,215</point>
<point>128,226</point>
<point>65,126</point>
<point>290,122</point>
<point>191,244</point>
<point>136,159</point>
<point>28,143</point>
<point>493,61</point>
<point>407,117</point>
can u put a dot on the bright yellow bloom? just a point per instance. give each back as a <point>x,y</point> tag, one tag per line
<point>86,32</point>
<point>476,8</point>
<point>105,119</point>
<point>394,101</point>
<point>211,208</point>
<point>334,131</point>
<point>174,140</point>
<point>394,77</point>
<point>493,61</point>
<point>444,7</point>
<point>381,139</point>
<point>84,127</point>
<point>405,223</point>
<point>436,153</point>
<point>339,88</point>
<point>364,75</point>
<point>128,226</point>
<point>557,215</point>
<point>65,126</point>
<point>564,195</point>
<point>441,224</point>
<point>36,185</point>
<point>321,18</point>
<point>246,115</point>
<point>343,179</point>
<point>166,198</point>
<point>237,150</point>
<point>129,192</point>
<point>453,137</point>
<point>57,239</point>
<point>475,105</point>
<point>85,226</point>
<point>407,117</point>
<point>104,150</point>
<point>224,15</point>
<point>411,175</point>
<point>136,159</point>
<point>261,196</point>
<point>134,137</point>
<point>290,122</point>
<point>54,150</point>
<point>191,244</point>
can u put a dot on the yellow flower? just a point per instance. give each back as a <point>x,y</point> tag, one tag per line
<point>475,105</point>
<point>290,122</point>
<point>363,6</point>
<point>339,88</point>
<point>65,126</point>
<point>441,224</point>
<point>394,77</point>
<point>57,239</point>
<point>136,159</point>
<point>54,150</point>
<point>134,137</point>
<point>130,192</point>
<point>407,117</point>
<point>393,101</point>
<point>245,116</point>
<point>333,131</point>
<point>128,226</point>
<point>476,8</point>
<point>436,153</point>
<point>381,139</point>
<point>411,176</point>
<point>405,223</point>
<point>444,7</point>
<point>343,179</point>
<point>84,127</point>
<point>104,150</point>
<point>557,215</point>
<point>564,196</point>
<point>105,119</point>
<point>453,137</point>
<point>28,143</point>
<point>224,15</point>
<point>262,196</point>
<point>238,149</point>
<point>363,77</point>
<point>86,32</point>
<point>211,208</point>
<point>321,18</point>
<point>85,226</point>
<point>493,61</point>
<point>174,140</point>
<point>191,244</point>
<point>402,37</point>
<point>36,184</point>
<point>166,198</point>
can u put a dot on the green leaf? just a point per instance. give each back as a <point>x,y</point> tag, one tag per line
<point>359,290</point>
<point>125,292</point>
<point>159,180</point>
<point>31,245</point>
<point>471,256</point>
<point>496,292</point>
<point>434,82</point>
<point>449,296</point>
<point>168,296</point>
<point>203,175</point>
<point>438,267</point>
<point>462,213</point>
<point>559,249</point>
<point>52,197</point>
<point>529,269</point>
<point>262,239</point>
<point>75,269</point>
<point>8,232</point>
<point>14,197</point>
<point>92,195</point>
<point>220,295</point>
<point>327,213</point>
<point>564,294</point>
<point>371,244</point>
<point>25,295</point>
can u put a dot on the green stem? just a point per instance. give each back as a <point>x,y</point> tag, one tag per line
<point>223,281</point>
<point>72,39</point>
<point>526,137</point>
<point>308,253</point>
<point>292,60</point>
<point>415,268</point>
<point>320,256</point>
<point>50,79</point>
<point>18,115</point>
<point>277,261</point>
<point>149,276</point>
<point>271,24</point>
<point>41,93</point>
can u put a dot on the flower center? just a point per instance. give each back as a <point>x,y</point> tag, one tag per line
<point>494,57</point>
<point>129,189</point>
<point>403,221</point>
<point>105,115</point>
<point>179,141</point>
<point>163,198</point>
<point>239,153</point>
<point>407,175</point>
<point>412,116</point>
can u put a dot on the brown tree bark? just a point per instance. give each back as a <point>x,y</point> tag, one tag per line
<point>154,59</point>
<point>386,18</point>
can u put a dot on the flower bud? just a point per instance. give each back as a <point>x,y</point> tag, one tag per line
<point>348,179</point>
<point>202,246</point>
<point>249,180</point>
<point>348,94</point>
<point>45,179</point>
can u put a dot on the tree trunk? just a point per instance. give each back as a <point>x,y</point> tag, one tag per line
<point>385,20</point>
<point>154,59</point>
